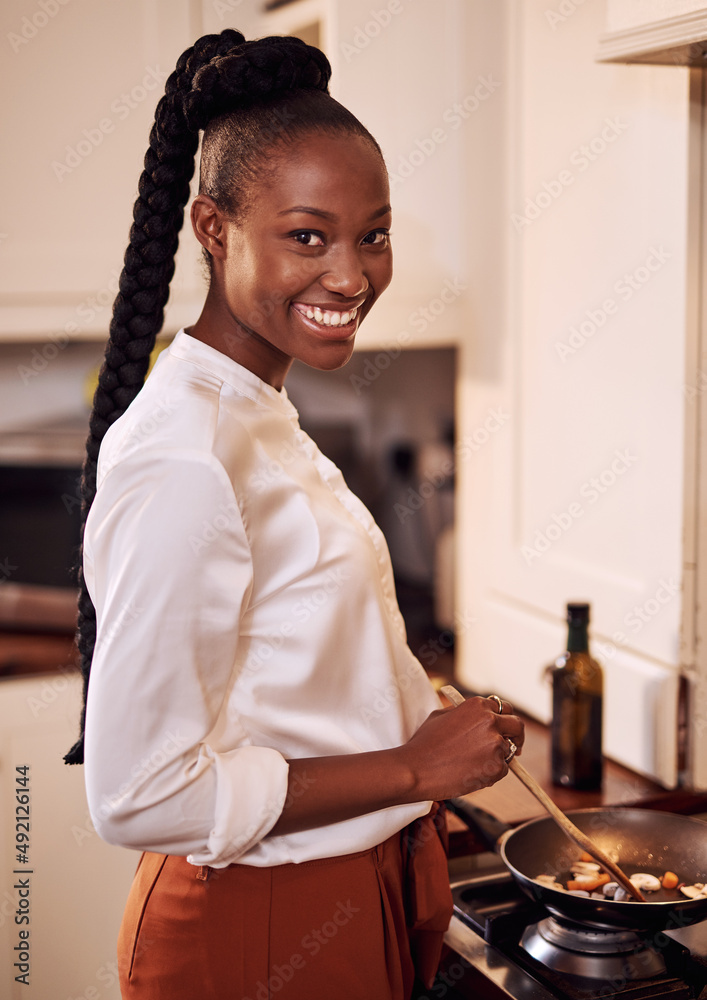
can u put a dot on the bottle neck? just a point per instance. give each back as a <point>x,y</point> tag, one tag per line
<point>577,639</point>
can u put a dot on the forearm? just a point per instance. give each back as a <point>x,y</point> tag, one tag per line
<point>455,751</point>
<point>323,790</point>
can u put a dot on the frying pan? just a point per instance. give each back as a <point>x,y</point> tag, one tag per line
<point>646,841</point>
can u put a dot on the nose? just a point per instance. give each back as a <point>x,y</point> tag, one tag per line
<point>346,274</point>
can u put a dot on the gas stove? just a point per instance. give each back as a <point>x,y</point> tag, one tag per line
<point>511,947</point>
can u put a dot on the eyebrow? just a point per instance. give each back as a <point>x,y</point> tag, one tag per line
<point>308,210</point>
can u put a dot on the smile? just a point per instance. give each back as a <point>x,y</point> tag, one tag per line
<point>326,317</point>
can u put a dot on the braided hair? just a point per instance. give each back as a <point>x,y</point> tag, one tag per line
<point>246,97</point>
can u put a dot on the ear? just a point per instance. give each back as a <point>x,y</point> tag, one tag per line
<point>208,223</point>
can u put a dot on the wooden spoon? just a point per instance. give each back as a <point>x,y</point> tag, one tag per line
<point>564,822</point>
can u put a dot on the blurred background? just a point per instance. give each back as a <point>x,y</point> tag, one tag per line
<point>524,411</point>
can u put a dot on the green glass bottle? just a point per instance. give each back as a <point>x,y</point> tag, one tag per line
<point>577,701</point>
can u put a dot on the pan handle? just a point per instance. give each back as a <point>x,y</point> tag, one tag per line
<point>487,827</point>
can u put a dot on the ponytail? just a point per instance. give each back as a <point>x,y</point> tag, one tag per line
<point>218,75</point>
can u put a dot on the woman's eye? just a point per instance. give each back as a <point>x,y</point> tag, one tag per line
<point>379,237</point>
<point>307,238</point>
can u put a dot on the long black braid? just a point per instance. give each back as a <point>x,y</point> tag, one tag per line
<point>234,89</point>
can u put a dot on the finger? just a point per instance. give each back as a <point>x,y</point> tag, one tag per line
<point>499,706</point>
<point>511,750</point>
<point>514,729</point>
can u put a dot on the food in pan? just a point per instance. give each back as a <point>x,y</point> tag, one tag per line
<point>588,879</point>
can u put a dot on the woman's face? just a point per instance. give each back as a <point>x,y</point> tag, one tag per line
<point>309,257</point>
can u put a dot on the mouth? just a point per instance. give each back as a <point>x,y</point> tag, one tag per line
<point>342,321</point>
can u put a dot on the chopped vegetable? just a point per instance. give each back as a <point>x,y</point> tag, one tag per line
<point>645,882</point>
<point>695,891</point>
<point>588,877</point>
<point>585,882</point>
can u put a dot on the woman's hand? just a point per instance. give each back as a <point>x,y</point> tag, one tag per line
<point>459,750</point>
<point>455,751</point>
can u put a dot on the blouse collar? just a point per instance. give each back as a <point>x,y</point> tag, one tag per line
<point>246,382</point>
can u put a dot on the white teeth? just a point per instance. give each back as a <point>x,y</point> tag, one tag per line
<point>330,318</point>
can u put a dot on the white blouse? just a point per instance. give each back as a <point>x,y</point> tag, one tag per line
<point>246,615</point>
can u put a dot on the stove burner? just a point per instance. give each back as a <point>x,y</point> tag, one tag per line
<point>591,953</point>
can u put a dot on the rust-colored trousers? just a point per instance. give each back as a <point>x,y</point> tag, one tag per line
<point>358,927</point>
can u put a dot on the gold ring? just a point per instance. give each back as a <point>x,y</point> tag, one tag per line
<point>494,697</point>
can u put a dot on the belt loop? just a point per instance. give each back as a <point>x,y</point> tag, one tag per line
<point>203,872</point>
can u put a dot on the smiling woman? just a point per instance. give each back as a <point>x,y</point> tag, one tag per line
<point>280,292</point>
<point>238,614</point>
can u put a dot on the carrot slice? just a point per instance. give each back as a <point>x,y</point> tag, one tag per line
<point>586,857</point>
<point>589,886</point>
<point>669,880</point>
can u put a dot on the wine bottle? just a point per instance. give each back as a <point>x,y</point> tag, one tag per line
<point>577,700</point>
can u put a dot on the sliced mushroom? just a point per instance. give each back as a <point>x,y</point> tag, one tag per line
<point>587,867</point>
<point>578,892</point>
<point>645,882</point>
<point>550,882</point>
<point>621,896</point>
<point>609,890</point>
<point>693,891</point>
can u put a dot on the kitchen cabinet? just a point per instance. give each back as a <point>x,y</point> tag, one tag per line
<point>85,78</point>
<point>77,883</point>
<point>650,31</point>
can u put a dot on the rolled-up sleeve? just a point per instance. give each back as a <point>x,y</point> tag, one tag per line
<point>168,567</point>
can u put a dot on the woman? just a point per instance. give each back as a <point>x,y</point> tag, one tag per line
<point>255,723</point>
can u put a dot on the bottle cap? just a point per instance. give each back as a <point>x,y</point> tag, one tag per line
<point>578,614</point>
